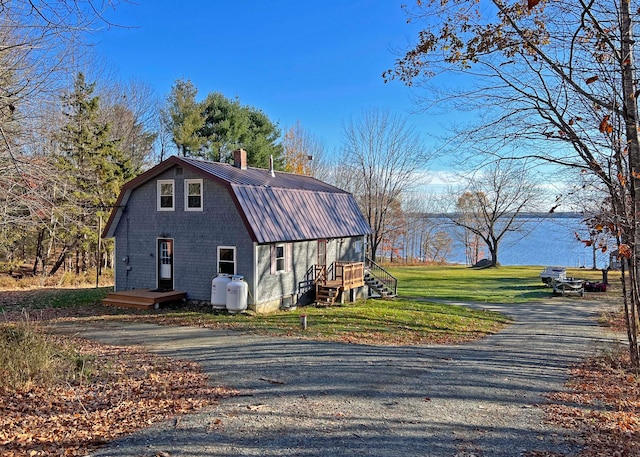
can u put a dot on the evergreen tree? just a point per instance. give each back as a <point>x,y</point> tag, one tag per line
<point>183,118</point>
<point>94,166</point>
<point>261,140</point>
<point>229,125</point>
<point>218,126</point>
<point>224,127</point>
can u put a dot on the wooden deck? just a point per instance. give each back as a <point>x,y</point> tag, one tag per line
<point>142,298</point>
<point>346,276</point>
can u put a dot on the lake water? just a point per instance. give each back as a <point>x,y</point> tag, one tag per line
<point>545,241</point>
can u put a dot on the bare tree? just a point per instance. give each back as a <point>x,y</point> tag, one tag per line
<point>492,202</point>
<point>437,245</point>
<point>304,153</point>
<point>384,155</point>
<point>557,77</point>
<point>132,110</point>
<point>40,42</point>
<point>467,208</point>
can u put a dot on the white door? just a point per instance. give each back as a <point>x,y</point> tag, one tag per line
<point>165,264</point>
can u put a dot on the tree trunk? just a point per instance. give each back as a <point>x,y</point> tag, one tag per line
<point>39,249</point>
<point>56,266</point>
<point>373,247</point>
<point>494,256</point>
<point>633,144</point>
<point>62,257</point>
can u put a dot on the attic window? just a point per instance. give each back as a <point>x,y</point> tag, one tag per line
<point>193,194</point>
<point>165,195</point>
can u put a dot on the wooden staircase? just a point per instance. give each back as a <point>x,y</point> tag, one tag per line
<point>327,294</point>
<point>142,298</point>
<point>382,284</point>
<point>331,282</point>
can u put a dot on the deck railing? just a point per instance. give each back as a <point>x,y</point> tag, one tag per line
<point>320,273</point>
<point>382,275</point>
<point>351,274</point>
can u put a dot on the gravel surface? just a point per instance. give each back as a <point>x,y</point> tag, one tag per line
<point>303,398</point>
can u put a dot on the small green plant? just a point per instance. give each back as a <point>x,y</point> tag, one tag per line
<point>84,368</point>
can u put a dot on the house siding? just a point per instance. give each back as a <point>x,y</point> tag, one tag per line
<point>271,288</point>
<point>196,236</point>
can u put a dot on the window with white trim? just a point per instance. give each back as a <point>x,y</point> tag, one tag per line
<point>193,194</point>
<point>280,257</point>
<point>227,259</point>
<point>166,194</point>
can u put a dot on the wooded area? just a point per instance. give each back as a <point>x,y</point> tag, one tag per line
<point>69,141</point>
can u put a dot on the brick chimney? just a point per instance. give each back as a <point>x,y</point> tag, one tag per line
<point>240,159</point>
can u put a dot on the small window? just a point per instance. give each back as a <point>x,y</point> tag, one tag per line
<point>193,194</point>
<point>281,258</point>
<point>165,195</point>
<point>227,259</point>
<point>280,252</point>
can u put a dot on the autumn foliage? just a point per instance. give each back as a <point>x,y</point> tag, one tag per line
<point>603,403</point>
<point>115,392</point>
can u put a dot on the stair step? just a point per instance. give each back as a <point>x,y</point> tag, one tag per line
<point>111,296</point>
<point>127,304</point>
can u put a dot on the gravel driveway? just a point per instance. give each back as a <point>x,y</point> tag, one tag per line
<point>302,398</point>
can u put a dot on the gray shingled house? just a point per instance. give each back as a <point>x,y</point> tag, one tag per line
<point>181,223</point>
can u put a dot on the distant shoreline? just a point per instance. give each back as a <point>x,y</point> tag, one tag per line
<point>526,215</point>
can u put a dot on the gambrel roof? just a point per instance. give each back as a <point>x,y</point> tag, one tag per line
<point>275,206</point>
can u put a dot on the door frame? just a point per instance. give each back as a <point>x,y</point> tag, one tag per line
<point>164,283</point>
<point>322,252</point>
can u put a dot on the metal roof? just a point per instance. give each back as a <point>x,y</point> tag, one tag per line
<point>278,214</point>
<point>260,177</point>
<point>278,207</point>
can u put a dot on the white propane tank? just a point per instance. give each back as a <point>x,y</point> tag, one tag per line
<point>219,291</point>
<point>237,291</point>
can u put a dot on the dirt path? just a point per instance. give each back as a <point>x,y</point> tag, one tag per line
<point>302,398</point>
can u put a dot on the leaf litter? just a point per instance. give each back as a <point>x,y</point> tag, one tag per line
<point>603,404</point>
<point>125,390</point>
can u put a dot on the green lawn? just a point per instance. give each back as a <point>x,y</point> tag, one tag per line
<point>397,321</point>
<point>500,285</point>
<point>416,316</point>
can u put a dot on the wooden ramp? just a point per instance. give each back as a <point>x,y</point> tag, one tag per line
<point>142,298</point>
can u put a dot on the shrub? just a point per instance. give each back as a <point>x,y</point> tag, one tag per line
<point>28,355</point>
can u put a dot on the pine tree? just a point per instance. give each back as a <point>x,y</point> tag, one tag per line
<point>183,117</point>
<point>94,166</point>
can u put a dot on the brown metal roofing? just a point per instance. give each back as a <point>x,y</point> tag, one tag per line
<point>260,177</point>
<point>284,207</point>
<point>289,214</point>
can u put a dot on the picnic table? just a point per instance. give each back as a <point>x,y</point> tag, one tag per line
<point>568,285</point>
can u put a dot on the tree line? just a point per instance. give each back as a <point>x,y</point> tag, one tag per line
<point>70,141</point>
<point>70,137</point>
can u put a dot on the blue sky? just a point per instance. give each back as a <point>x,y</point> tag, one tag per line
<point>319,63</point>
